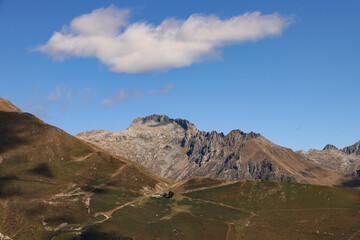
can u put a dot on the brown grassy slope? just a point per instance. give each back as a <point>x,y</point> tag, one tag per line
<point>28,146</point>
<point>253,209</point>
<point>279,210</point>
<point>285,162</point>
<point>48,177</point>
<point>7,106</point>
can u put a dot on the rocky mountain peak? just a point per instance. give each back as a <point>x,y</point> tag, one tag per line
<point>7,106</point>
<point>176,149</point>
<point>346,159</point>
<point>353,149</point>
<point>330,147</point>
<point>240,134</point>
<point>156,120</point>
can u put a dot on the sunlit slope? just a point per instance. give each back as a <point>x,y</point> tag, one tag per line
<point>281,210</point>
<point>255,209</point>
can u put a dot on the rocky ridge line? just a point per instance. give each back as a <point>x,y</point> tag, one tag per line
<point>346,159</point>
<point>176,149</point>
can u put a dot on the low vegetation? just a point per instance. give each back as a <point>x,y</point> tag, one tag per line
<point>54,186</point>
<point>242,210</point>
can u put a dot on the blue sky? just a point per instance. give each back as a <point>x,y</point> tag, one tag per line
<point>299,88</point>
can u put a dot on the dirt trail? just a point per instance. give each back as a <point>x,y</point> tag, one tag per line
<point>118,170</point>
<point>228,232</point>
<point>17,232</point>
<point>204,188</point>
<point>270,210</point>
<point>303,209</point>
<point>109,213</point>
<point>354,235</point>
<point>221,204</point>
<point>84,157</point>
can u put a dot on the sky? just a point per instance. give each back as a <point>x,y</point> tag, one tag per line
<point>289,70</point>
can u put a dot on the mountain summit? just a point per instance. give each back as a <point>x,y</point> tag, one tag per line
<point>7,106</point>
<point>176,149</point>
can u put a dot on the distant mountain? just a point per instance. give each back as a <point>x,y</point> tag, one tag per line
<point>176,149</point>
<point>50,180</point>
<point>345,160</point>
<point>353,149</point>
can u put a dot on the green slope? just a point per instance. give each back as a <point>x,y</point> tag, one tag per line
<point>242,210</point>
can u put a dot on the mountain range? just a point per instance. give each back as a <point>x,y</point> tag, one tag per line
<point>57,186</point>
<point>344,160</point>
<point>176,149</point>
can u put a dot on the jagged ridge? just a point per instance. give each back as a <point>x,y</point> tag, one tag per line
<point>176,149</point>
<point>346,159</point>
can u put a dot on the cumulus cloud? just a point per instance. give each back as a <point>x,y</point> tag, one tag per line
<point>120,96</point>
<point>162,90</point>
<point>140,47</point>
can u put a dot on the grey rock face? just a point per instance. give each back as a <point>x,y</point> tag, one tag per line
<point>330,147</point>
<point>176,149</point>
<point>353,149</point>
<point>346,159</point>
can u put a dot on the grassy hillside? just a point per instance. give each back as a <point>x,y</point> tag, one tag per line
<point>51,181</point>
<point>55,186</point>
<point>242,210</point>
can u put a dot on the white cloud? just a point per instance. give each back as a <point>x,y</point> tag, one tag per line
<point>120,96</point>
<point>162,90</point>
<point>106,22</point>
<point>59,94</point>
<point>142,47</point>
<point>55,95</point>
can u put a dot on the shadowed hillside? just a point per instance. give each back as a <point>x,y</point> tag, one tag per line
<point>50,179</point>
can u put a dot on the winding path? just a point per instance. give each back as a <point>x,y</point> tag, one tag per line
<point>354,235</point>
